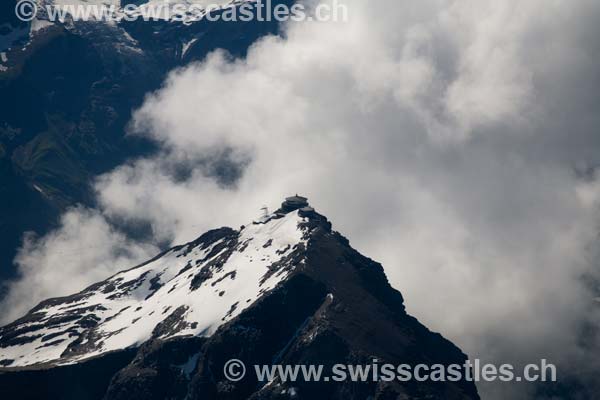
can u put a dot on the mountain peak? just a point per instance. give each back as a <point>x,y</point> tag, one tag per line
<point>285,289</point>
<point>290,204</point>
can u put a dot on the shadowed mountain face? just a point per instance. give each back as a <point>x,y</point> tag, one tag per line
<point>72,90</point>
<point>283,290</point>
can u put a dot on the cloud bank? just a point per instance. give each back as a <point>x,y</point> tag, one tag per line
<point>454,141</point>
<point>84,249</point>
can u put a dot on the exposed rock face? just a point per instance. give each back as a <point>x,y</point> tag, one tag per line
<point>320,302</point>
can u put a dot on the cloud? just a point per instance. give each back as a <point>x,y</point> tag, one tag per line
<point>445,139</point>
<point>83,250</point>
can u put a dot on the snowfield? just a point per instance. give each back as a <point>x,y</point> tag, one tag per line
<point>189,290</point>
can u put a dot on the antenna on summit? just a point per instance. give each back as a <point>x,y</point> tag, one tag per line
<point>265,211</point>
<point>264,216</point>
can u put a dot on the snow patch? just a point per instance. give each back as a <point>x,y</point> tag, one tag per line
<point>38,25</point>
<point>186,47</point>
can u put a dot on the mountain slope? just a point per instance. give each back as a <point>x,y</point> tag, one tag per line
<point>190,290</point>
<point>285,290</point>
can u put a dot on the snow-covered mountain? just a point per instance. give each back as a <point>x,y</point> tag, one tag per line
<point>101,17</point>
<point>284,289</point>
<point>189,290</point>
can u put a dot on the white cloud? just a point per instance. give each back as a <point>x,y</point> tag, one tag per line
<point>83,250</point>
